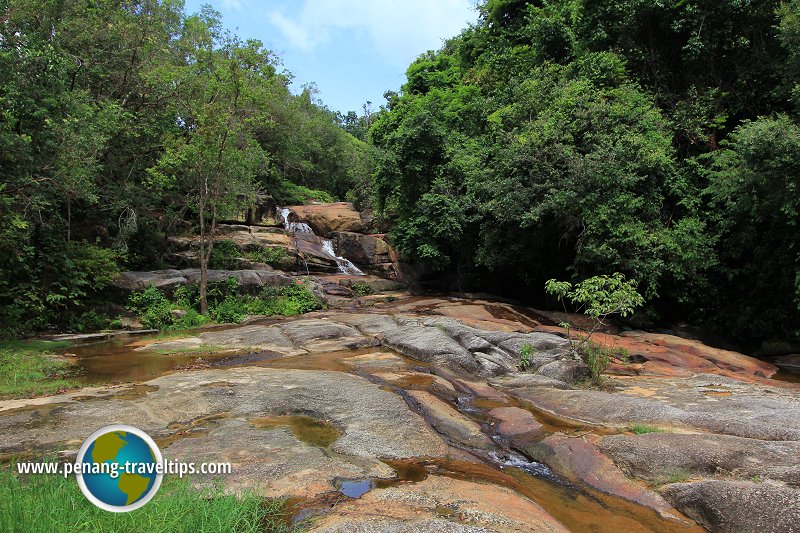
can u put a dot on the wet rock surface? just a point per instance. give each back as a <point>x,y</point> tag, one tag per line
<point>216,405</point>
<point>477,506</point>
<point>421,378</point>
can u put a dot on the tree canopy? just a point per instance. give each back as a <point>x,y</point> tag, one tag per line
<point>576,138</point>
<point>113,113</point>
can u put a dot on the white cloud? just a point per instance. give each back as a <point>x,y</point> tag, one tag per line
<point>235,5</point>
<point>399,30</point>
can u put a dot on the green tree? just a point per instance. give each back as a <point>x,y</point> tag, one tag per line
<point>755,210</point>
<point>212,157</point>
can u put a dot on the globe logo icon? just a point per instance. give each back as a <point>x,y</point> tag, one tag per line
<point>120,468</point>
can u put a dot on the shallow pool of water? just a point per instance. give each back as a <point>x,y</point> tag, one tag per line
<point>312,431</point>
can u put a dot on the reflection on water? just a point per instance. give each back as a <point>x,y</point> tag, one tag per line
<point>310,430</point>
<point>118,360</point>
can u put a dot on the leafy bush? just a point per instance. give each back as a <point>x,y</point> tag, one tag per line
<point>192,319</point>
<point>598,298</point>
<point>290,193</point>
<point>224,255</point>
<point>153,308</point>
<point>295,299</point>
<point>53,284</point>
<point>361,288</point>
<point>275,257</point>
<point>228,310</point>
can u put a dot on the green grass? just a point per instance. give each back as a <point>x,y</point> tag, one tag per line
<point>27,368</point>
<point>679,477</point>
<point>641,429</point>
<point>54,504</point>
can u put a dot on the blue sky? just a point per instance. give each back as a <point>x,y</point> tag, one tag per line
<point>354,50</point>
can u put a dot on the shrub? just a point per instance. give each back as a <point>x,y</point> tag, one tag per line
<point>224,255</point>
<point>525,354</point>
<point>362,288</point>
<point>153,308</point>
<point>192,319</point>
<point>53,284</point>
<point>598,298</point>
<point>228,310</point>
<point>289,193</point>
<point>274,256</point>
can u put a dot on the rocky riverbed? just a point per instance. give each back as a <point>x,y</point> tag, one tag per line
<point>413,415</point>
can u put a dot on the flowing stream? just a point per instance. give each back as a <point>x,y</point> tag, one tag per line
<point>345,265</point>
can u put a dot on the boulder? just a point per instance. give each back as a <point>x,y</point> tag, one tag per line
<point>737,506</point>
<point>657,456</point>
<point>375,284</point>
<point>167,280</point>
<point>439,504</point>
<point>361,249</point>
<point>326,218</point>
<point>218,407</point>
<point>250,281</point>
<point>513,421</point>
<point>706,402</point>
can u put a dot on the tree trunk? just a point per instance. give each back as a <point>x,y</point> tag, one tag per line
<point>203,263</point>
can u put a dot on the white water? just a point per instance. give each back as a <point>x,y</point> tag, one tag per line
<point>516,460</point>
<point>345,265</point>
<point>294,227</point>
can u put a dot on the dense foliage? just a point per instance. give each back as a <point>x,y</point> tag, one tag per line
<point>571,138</point>
<point>226,305</point>
<point>123,120</point>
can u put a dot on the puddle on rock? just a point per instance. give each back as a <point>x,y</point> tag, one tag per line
<point>341,361</point>
<point>117,360</point>
<point>354,488</point>
<point>166,442</point>
<point>309,430</point>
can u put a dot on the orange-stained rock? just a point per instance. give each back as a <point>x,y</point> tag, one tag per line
<point>439,504</point>
<point>669,355</point>
<point>578,458</point>
<point>448,421</point>
<point>515,421</point>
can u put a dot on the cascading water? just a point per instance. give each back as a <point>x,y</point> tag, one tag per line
<point>345,265</point>
<point>294,227</point>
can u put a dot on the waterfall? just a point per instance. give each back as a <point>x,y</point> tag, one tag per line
<point>345,265</point>
<point>294,227</point>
